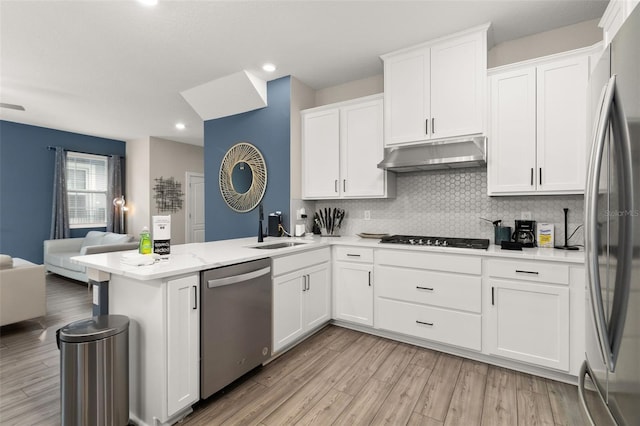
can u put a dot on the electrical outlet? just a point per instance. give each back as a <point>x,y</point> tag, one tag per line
<point>525,215</point>
<point>367,215</point>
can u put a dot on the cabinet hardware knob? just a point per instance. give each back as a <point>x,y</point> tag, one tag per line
<point>430,324</point>
<point>540,175</point>
<point>424,288</point>
<point>532,176</point>
<point>195,298</point>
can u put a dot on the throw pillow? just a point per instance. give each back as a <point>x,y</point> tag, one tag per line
<point>6,261</point>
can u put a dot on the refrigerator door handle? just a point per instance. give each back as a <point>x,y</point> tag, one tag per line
<point>591,228</point>
<point>622,289</point>
<point>584,371</point>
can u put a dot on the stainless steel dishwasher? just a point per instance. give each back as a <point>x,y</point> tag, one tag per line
<point>235,322</point>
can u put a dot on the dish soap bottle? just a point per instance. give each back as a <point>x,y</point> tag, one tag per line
<point>145,241</point>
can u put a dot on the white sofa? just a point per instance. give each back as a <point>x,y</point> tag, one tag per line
<point>57,253</point>
<point>23,292</point>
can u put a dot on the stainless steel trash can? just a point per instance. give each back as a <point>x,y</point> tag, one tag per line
<point>94,371</point>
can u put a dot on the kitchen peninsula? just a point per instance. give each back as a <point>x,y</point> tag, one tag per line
<point>162,301</point>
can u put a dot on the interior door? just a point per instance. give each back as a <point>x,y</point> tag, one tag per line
<point>195,208</point>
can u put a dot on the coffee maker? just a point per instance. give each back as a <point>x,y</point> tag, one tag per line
<point>525,233</point>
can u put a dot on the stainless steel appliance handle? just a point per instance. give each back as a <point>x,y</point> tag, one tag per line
<point>622,286</point>
<point>591,228</point>
<point>584,371</point>
<point>219,282</point>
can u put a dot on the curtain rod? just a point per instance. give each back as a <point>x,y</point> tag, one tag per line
<point>52,148</point>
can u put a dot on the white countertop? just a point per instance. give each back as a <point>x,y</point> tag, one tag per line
<point>195,257</point>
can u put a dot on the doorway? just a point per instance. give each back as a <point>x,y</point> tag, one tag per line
<point>194,232</point>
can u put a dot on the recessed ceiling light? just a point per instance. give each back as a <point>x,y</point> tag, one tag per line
<point>148,2</point>
<point>269,67</point>
<point>180,126</point>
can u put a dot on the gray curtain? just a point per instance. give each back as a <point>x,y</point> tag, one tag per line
<point>60,209</point>
<point>114,190</point>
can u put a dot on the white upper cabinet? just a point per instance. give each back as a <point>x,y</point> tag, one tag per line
<point>321,153</point>
<point>437,89</point>
<point>538,127</point>
<point>342,145</point>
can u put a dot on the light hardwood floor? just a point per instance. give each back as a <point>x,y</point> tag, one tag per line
<point>337,376</point>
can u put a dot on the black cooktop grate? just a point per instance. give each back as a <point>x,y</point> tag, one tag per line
<point>418,240</point>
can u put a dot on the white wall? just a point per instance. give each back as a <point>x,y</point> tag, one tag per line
<point>351,90</point>
<point>173,159</point>
<point>571,37</point>
<point>137,191</point>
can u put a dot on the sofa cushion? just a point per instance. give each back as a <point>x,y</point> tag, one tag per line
<point>111,238</point>
<point>93,238</point>
<point>61,260</point>
<point>6,261</point>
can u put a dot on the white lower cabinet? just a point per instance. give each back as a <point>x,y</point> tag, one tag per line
<point>183,342</point>
<point>301,295</point>
<point>528,317</point>
<point>164,345</point>
<point>353,285</point>
<point>425,295</point>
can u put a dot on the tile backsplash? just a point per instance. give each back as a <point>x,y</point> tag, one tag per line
<point>450,203</point>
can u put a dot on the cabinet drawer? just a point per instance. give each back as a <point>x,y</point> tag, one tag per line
<point>441,325</point>
<point>427,287</point>
<point>556,273</point>
<point>354,254</point>
<point>293,262</point>
<point>433,261</point>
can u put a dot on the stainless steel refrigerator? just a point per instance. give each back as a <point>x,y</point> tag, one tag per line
<point>609,384</point>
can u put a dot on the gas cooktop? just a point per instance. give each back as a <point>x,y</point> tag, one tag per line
<point>417,240</point>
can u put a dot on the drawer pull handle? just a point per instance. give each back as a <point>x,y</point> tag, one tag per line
<point>518,271</point>
<point>493,300</point>
<point>430,324</point>
<point>424,288</point>
<point>369,278</point>
<point>352,255</point>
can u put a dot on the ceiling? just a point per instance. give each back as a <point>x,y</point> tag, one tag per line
<point>116,68</point>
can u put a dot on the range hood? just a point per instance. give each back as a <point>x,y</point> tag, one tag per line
<point>437,155</point>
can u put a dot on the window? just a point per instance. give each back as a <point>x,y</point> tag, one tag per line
<point>87,190</point>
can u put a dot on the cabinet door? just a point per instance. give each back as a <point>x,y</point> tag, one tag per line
<point>183,343</point>
<point>321,154</point>
<point>530,322</point>
<point>317,297</point>
<point>458,86</point>
<point>287,309</point>
<point>354,292</point>
<point>406,97</point>
<point>512,132</point>
<point>562,125</point>
<point>362,148</point>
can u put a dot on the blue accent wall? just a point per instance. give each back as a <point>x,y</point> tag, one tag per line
<point>269,129</point>
<point>26,183</point>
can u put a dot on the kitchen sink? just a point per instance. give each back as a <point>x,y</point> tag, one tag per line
<point>277,245</point>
